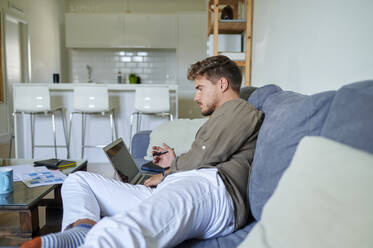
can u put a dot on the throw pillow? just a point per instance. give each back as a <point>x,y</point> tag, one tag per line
<point>323,200</point>
<point>178,134</point>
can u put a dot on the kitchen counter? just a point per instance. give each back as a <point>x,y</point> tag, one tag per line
<point>111,87</point>
<point>98,132</point>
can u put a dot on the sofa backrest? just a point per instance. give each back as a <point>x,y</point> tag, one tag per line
<point>289,117</point>
<point>350,119</point>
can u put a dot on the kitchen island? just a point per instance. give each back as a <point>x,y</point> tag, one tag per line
<point>98,132</point>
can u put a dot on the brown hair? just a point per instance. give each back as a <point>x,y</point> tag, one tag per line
<point>215,68</point>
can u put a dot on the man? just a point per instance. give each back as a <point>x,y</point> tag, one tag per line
<point>202,194</point>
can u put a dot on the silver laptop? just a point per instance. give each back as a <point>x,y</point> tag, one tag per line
<point>123,163</point>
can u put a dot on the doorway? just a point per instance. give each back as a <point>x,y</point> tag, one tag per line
<point>17,65</point>
<point>16,55</point>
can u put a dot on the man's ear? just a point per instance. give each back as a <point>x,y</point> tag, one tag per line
<point>224,84</point>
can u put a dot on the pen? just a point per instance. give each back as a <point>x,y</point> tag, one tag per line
<point>159,153</point>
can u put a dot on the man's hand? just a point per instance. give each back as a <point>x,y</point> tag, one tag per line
<point>154,180</point>
<point>163,160</point>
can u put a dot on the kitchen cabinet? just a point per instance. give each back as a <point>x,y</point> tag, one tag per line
<point>121,30</point>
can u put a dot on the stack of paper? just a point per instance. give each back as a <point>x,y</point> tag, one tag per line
<point>36,176</point>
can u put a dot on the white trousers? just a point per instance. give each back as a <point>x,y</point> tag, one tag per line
<point>191,204</point>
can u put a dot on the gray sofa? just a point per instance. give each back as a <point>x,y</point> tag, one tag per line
<point>345,115</point>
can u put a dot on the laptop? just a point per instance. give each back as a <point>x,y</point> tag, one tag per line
<point>123,163</point>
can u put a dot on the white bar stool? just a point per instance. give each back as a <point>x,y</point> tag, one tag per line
<point>92,100</point>
<point>34,101</point>
<point>150,100</point>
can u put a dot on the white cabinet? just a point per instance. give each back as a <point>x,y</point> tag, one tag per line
<point>121,30</point>
<point>153,31</point>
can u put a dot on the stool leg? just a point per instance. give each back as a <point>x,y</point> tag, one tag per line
<point>138,121</point>
<point>111,126</point>
<point>83,133</point>
<point>115,126</point>
<point>32,134</point>
<point>131,123</point>
<point>10,145</point>
<point>54,135</point>
<point>64,124</point>
<point>171,117</point>
<point>12,136</point>
<point>70,126</point>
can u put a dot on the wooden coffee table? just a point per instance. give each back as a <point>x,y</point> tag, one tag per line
<point>24,202</point>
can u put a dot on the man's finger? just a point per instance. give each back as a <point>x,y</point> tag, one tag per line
<point>157,148</point>
<point>156,159</point>
<point>146,182</point>
<point>166,147</point>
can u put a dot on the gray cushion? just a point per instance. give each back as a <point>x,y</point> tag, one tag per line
<point>199,243</point>
<point>258,98</point>
<point>350,120</point>
<point>140,142</point>
<point>231,240</point>
<point>288,118</point>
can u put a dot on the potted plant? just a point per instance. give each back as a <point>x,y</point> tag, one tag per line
<point>132,78</point>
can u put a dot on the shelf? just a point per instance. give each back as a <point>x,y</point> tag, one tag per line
<point>229,27</point>
<point>240,63</point>
<point>226,2</point>
<point>233,26</point>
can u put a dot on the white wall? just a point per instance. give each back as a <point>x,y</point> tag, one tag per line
<point>45,20</point>
<point>312,46</point>
<point>192,38</point>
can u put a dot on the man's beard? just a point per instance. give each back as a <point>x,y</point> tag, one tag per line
<point>210,109</point>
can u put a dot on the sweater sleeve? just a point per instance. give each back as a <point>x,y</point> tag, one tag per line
<point>222,136</point>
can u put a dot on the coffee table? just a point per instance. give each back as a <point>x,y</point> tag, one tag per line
<point>24,203</point>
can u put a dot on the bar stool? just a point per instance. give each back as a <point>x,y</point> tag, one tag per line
<point>150,100</point>
<point>92,100</point>
<point>34,101</point>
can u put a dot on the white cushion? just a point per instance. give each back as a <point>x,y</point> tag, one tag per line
<point>323,200</point>
<point>178,134</point>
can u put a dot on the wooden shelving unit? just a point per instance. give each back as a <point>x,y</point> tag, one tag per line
<point>236,26</point>
<point>229,28</point>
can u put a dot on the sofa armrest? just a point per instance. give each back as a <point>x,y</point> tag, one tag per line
<point>140,143</point>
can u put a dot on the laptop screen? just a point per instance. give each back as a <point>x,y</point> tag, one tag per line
<point>121,159</point>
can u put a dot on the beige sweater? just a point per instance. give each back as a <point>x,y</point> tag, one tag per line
<point>227,141</point>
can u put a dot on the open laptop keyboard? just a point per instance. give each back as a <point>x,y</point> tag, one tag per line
<point>143,179</point>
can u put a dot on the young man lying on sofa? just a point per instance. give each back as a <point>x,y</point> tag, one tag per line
<point>202,194</point>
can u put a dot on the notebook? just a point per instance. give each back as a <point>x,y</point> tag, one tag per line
<point>55,163</point>
<point>123,163</point>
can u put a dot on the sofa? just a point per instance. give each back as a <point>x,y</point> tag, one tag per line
<point>344,115</point>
